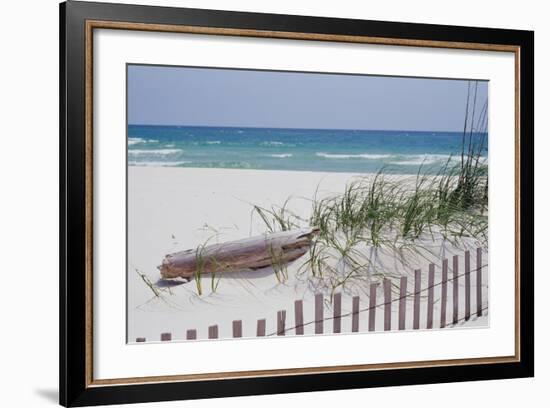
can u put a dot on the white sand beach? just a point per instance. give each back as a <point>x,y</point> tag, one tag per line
<point>173,209</point>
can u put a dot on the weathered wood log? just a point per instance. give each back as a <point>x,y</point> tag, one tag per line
<point>250,253</point>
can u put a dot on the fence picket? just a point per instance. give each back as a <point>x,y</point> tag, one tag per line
<point>337,312</point>
<point>430,313</point>
<point>260,328</point>
<point>237,328</point>
<point>387,304</point>
<point>355,314</point>
<point>416,305</point>
<point>402,302</point>
<point>455,289</point>
<point>299,317</point>
<point>479,255</point>
<point>467,285</point>
<point>213,332</point>
<point>372,306</point>
<point>444,277</point>
<point>319,313</point>
<point>281,317</point>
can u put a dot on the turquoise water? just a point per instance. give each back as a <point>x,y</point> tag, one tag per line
<point>325,150</point>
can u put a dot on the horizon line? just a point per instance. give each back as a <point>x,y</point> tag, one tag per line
<point>297,128</point>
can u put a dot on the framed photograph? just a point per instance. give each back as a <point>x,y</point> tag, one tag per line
<point>256,203</point>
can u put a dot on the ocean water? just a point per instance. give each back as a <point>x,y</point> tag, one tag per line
<point>325,150</point>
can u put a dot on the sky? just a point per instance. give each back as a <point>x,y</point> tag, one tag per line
<point>160,95</point>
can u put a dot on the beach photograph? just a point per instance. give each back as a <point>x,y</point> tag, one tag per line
<point>275,203</point>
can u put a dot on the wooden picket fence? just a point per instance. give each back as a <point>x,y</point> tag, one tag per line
<point>449,278</point>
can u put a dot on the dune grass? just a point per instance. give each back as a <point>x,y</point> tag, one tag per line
<point>277,218</point>
<point>278,264</point>
<point>391,213</point>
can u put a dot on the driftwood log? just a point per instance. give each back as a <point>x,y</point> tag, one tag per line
<point>249,253</point>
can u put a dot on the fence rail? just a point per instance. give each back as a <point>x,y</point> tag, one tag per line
<point>387,305</point>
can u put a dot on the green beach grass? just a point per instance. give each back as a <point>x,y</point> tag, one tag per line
<point>391,213</point>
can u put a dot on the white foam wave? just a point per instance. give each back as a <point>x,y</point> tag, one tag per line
<point>398,159</point>
<point>272,143</point>
<point>413,162</point>
<point>158,163</point>
<point>154,152</point>
<point>213,142</point>
<point>281,155</point>
<point>418,159</point>
<point>135,140</point>
<point>354,156</point>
